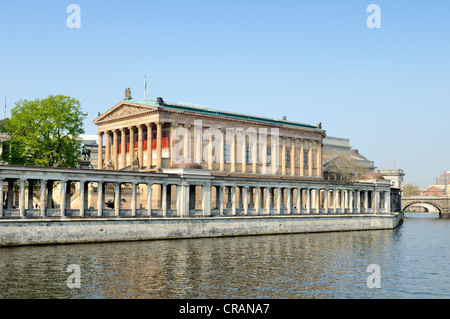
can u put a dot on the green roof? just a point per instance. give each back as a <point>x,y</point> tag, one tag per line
<point>204,110</point>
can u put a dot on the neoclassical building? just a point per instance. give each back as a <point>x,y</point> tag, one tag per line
<point>153,136</point>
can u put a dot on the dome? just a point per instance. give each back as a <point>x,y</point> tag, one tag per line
<point>372,175</point>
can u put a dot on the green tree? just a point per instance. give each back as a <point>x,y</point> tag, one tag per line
<point>44,132</point>
<point>411,190</point>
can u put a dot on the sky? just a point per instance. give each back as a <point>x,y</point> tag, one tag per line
<point>386,89</point>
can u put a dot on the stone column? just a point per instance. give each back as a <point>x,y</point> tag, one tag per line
<point>244,154</point>
<point>149,146</point>
<point>318,200</point>
<point>184,203</point>
<point>100,198</point>
<point>221,200</point>
<point>366,201</point>
<point>149,199</point>
<point>158,145</point>
<point>140,146</point>
<point>43,190</point>
<point>387,196</point>
<point>82,197</point>
<point>131,155</point>
<point>22,198</point>
<point>10,200</point>
<point>301,156</point>
<point>233,154</point>
<point>254,147</point>
<point>310,162</point>
<point>289,200</point>
<point>308,201</point>
<point>116,149</point>
<point>107,147</point>
<point>257,199</point>
<point>299,200</point>
<point>117,198</point>
<point>100,151</point>
<point>279,199</point>
<point>133,199</point>
<point>283,155</point>
<point>358,201</point>
<point>123,148</point>
<point>164,199</point>
<point>268,200</point>
<point>376,206</point>
<point>293,159</point>
<point>206,196</point>
<point>245,199</point>
<point>319,159</point>
<point>350,201</point>
<point>325,200</point>
<point>222,154</point>
<point>210,149</point>
<point>62,197</point>
<point>233,200</point>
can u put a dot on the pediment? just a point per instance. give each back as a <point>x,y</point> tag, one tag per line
<point>122,110</point>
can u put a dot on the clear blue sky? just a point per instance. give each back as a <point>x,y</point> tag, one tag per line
<point>386,89</point>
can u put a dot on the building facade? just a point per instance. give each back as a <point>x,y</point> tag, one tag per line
<point>158,136</point>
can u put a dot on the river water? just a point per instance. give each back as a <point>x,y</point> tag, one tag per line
<point>412,262</point>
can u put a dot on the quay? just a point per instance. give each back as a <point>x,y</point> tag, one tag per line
<point>165,170</point>
<point>229,205</point>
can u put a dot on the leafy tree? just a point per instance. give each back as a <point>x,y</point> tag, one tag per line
<point>44,132</point>
<point>411,190</point>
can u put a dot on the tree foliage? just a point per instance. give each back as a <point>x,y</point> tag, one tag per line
<point>411,190</point>
<point>44,132</point>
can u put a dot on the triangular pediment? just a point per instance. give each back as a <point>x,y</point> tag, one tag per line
<point>123,109</point>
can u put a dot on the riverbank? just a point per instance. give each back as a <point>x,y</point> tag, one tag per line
<point>23,232</point>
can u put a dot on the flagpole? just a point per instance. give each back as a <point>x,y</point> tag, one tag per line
<point>145,83</point>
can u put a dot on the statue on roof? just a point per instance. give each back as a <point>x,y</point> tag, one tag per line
<point>128,94</point>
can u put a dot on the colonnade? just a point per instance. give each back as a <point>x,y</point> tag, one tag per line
<point>210,147</point>
<point>118,140</point>
<point>31,192</point>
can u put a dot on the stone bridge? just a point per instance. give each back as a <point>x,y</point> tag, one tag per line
<point>442,203</point>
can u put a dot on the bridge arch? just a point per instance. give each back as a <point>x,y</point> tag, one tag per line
<point>421,202</point>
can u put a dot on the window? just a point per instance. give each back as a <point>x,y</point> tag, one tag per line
<point>226,153</point>
<point>288,158</point>
<point>269,156</point>
<point>305,159</point>
<point>248,154</point>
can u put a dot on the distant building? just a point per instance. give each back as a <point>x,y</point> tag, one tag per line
<point>395,176</point>
<point>443,179</point>
<point>433,191</point>
<point>341,162</point>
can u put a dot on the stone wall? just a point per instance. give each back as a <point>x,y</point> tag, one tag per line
<point>73,231</point>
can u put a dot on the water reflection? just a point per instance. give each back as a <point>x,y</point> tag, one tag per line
<point>322,265</point>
